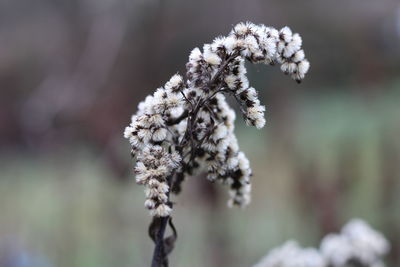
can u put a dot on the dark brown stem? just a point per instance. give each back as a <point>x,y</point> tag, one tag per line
<point>179,119</point>
<point>159,256</point>
<point>222,68</point>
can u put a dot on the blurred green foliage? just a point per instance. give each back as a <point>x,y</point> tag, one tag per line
<point>65,209</point>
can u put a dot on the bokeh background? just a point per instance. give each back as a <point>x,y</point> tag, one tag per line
<point>72,73</point>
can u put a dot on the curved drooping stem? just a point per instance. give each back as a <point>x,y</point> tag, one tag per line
<point>163,246</point>
<point>159,256</point>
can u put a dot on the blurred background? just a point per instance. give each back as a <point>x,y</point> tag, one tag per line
<point>72,73</point>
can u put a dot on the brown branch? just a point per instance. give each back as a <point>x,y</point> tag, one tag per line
<point>222,68</point>
<point>178,119</point>
<point>159,256</point>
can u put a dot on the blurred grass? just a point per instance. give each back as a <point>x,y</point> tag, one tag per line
<point>66,210</point>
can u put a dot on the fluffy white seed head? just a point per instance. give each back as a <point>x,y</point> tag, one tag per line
<point>356,245</point>
<point>356,242</point>
<point>187,125</point>
<point>292,255</point>
<point>162,210</point>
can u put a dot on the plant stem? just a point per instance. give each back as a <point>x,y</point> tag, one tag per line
<point>159,256</point>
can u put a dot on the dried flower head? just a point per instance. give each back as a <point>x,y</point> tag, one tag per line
<point>356,245</point>
<point>188,125</point>
<point>291,254</point>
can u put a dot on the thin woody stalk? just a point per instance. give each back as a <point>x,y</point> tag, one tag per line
<point>188,124</point>
<point>159,257</point>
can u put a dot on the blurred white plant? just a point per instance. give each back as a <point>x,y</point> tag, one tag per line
<point>356,245</point>
<point>291,254</point>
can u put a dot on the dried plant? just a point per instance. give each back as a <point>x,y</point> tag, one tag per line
<point>188,125</point>
<point>357,245</point>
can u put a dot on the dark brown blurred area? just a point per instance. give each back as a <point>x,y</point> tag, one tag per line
<point>72,73</point>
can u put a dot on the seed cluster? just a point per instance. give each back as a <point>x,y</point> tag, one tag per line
<point>188,125</point>
<point>356,245</point>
